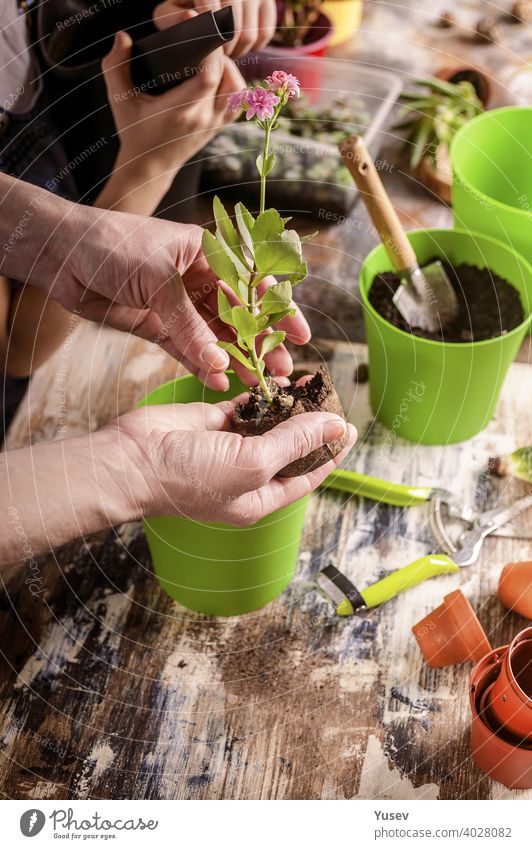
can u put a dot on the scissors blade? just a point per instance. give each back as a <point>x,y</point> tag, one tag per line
<point>499,517</point>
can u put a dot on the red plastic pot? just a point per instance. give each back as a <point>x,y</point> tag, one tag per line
<point>508,706</point>
<point>451,633</point>
<point>316,43</point>
<point>499,758</point>
<point>515,587</point>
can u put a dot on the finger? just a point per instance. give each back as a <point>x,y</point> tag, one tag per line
<point>283,491</point>
<point>186,328</point>
<point>232,80</point>
<point>166,15</point>
<point>248,25</point>
<point>267,23</point>
<point>253,506</point>
<point>115,67</point>
<point>264,456</point>
<point>279,362</point>
<point>236,6</point>
<point>296,327</point>
<point>195,417</point>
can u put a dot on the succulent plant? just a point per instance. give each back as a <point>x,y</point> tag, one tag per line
<point>435,116</point>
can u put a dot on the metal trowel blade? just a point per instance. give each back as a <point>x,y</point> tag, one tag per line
<point>426,298</point>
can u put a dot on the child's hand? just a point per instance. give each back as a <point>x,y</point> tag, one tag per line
<point>255,20</point>
<point>159,134</point>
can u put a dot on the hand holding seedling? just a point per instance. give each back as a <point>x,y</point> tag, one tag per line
<point>199,468</point>
<point>244,257</point>
<point>141,275</point>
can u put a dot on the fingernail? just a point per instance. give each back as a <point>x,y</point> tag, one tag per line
<point>215,357</point>
<point>334,429</point>
<point>353,433</point>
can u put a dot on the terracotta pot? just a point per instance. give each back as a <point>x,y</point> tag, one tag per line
<point>479,79</point>
<point>509,706</point>
<point>437,176</point>
<point>515,587</point>
<point>501,759</point>
<point>451,633</point>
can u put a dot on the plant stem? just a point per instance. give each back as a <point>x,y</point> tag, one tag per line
<point>260,374</point>
<point>265,154</point>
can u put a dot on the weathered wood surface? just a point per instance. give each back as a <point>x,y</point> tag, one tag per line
<point>110,690</point>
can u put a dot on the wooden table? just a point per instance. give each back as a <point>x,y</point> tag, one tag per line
<point>110,690</point>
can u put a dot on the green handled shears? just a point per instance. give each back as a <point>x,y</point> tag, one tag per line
<point>336,586</point>
<point>396,494</point>
<point>348,599</point>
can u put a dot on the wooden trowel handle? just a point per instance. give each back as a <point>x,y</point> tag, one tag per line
<point>360,164</point>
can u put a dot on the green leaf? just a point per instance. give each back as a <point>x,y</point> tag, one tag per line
<point>218,260</point>
<point>264,167</point>
<point>269,223</point>
<point>228,237</point>
<point>224,307</point>
<point>305,239</point>
<point>280,253</point>
<point>237,258</point>
<point>276,298</point>
<point>269,320</point>
<point>245,324</point>
<point>272,341</point>
<point>298,276</point>
<point>237,354</point>
<point>245,222</point>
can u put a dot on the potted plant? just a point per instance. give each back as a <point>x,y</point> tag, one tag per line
<point>219,569</point>
<point>432,119</point>
<point>302,29</point>
<point>443,387</point>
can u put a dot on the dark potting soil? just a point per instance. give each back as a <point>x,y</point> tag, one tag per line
<point>489,305</point>
<point>256,416</point>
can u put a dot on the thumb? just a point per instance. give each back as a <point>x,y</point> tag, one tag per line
<point>115,66</point>
<point>297,437</point>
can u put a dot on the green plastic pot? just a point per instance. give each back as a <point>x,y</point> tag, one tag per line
<point>491,158</point>
<point>436,393</point>
<point>217,569</point>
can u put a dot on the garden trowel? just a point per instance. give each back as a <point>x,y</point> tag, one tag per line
<point>425,298</point>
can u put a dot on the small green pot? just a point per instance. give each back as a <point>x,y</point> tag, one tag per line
<point>219,569</point>
<point>436,393</point>
<point>491,158</point>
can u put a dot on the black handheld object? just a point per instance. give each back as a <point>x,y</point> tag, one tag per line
<point>168,57</point>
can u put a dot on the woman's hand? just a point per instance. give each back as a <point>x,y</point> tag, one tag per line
<point>255,20</point>
<point>182,459</point>
<point>159,134</point>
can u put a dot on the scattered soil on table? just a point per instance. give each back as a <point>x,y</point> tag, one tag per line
<point>489,305</point>
<point>318,394</point>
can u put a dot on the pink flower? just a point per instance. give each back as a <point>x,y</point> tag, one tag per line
<point>283,83</point>
<point>261,103</point>
<point>236,101</point>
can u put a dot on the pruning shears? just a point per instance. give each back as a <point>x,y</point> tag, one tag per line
<point>348,599</point>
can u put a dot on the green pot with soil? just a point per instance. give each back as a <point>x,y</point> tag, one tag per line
<point>445,389</point>
<point>492,176</point>
<point>218,569</point>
